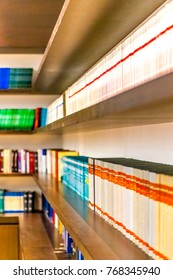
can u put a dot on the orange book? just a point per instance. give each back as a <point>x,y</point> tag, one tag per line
<point>37,118</point>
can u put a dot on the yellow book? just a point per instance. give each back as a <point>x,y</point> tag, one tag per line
<point>56,221</point>
<point>166,216</point>
<point>60,227</point>
<point>62,154</point>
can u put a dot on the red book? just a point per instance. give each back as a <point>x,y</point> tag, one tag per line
<point>1,160</point>
<point>37,118</point>
<point>31,162</point>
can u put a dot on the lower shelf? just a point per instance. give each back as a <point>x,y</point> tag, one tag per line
<point>96,238</point>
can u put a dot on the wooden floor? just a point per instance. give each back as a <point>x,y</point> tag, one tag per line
<point>39,240</point>
<point>35,243</point>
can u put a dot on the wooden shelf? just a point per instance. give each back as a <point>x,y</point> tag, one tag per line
<point>15,174</point>
<point>15,91</point>
<point>15,132</point>
<point>149,103</point>
<point>24,91</point>
<point>94,237</point>
<point>72,51</point>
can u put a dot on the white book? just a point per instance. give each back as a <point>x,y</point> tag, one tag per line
<point>98,186</point>
<point>48,161</point>
<point>23,160</point>
<point>27,162</point>
<point>7,161</point>
<point>40,168</point>
<point>91,183</point>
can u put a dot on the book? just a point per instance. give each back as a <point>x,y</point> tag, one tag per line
<point>60,155</point>
<point>1,201</point>
<point>7,162</point>
<point>37,118</point>
<point>15,160</point>
<point>1,160</point>
<point>31,161</point>
<point>31,196</point>
<point>20,78</point>
<point>13,202</point>
<point>25,201</point>
<point>43,117</point>
<point>4,78</point>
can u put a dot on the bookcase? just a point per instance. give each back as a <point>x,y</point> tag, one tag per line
<point>137,123</point>
<point>142,136</point>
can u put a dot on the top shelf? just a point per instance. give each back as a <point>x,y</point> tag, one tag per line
<point>149,103</point>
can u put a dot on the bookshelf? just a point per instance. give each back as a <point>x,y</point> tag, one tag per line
<point>97,239</point>
<point>139,107</point>
<point>93,236</point>
<point>142,105</point>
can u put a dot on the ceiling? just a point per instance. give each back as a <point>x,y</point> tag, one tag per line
<point>71,35</point>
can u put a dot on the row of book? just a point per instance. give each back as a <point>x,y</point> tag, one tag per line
<point>17,119</point>
<point>22,161</point>
<point>22,118</point>
<point>70,246</point>
<point>55,110</point>
<point>16,201</point>
<point>15,78</point>
<point>40,117</point>
<point>135,197</point>
<point>142,56</point>
<point>67,245</point>
<point>50,161</point>
<point>75,175</point>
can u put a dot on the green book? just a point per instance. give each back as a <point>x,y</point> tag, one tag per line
<point>27,117</point>
<point>1,201</point>
<point>20,78</point>
<point>2,121</point>
<point>23,119</point>
<point>1,118</point>
<point>31,119</point>
<point>7,121</point>
<point>16,119</point>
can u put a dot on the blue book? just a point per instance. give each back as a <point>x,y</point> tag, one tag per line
<point>50,212</point>
<point>69,242</point>
<point>79,255</point>
<point>43,117</point>
<point>45,204</point>
<point>4,78</point>
<point>75,174</point>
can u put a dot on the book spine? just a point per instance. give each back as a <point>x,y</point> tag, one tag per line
<point>1,201</point>
<point>31,162</point>
<point>35,161</point>
<point>25,201</point>
<point>1,160</point>
<point>31,201</point>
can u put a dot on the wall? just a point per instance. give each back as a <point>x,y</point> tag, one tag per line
<point>31,142</point>
<point>149,142</point>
